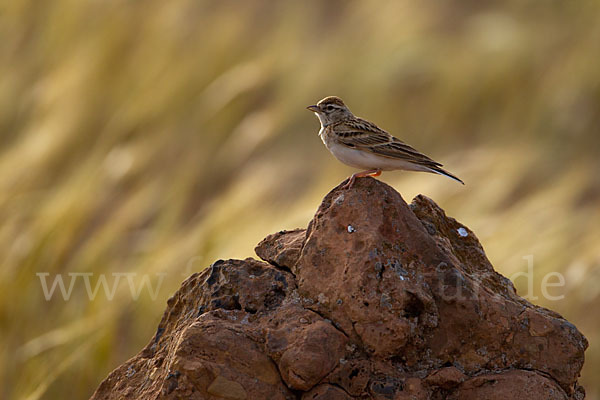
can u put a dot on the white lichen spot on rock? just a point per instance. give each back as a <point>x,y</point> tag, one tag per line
<point>322,298</point>
<point>351,229</point>
<point>462,232</point>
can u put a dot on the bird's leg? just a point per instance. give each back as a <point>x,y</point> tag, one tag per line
<point>371,172</point>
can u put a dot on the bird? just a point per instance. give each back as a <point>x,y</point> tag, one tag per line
<point>362,144</point>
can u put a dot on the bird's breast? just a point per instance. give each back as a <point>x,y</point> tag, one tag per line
<point>364,159</point>
<point>352,156</point>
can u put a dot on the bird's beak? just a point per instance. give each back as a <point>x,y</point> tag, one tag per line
<point>313,108</point>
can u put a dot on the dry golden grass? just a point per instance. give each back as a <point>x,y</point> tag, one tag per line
<point>155,137</point>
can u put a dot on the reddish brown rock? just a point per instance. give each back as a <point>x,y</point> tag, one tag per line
<point>514,385</point>
<point>326,392</point>
<point>446,378</point>
<point>314,354</point>
<point>376,299</point>
<point>282,248</point>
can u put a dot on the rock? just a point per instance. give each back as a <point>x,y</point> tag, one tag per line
<point>326,392</point>
<point>282,249</point>
<point>446,378</point>
<point>313,354</point>
<point>375,299</point>
<point>514,385</point>
<point>223,387</point>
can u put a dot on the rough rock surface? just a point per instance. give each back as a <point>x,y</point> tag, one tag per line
<point>376,299</point>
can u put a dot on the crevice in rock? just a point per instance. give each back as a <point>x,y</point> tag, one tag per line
<point>386,387</point>
<point>250,310</point>
<point>342,389</point>
<point>274,298</point>
<point>328,320</point>
<point>414,308</point>
<point>281,267</point>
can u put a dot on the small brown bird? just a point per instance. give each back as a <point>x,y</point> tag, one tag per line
<point>362,144</point>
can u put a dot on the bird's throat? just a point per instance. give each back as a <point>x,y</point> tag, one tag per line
<point>323,120</point>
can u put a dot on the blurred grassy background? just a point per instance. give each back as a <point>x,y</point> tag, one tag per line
<point>155,137</point>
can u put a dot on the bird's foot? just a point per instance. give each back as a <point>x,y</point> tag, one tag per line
<point>371,172</point>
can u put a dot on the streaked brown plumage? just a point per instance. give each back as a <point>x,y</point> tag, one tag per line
<point>362,144</point>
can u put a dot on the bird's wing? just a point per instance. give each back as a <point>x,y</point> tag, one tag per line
<point>365,135</point>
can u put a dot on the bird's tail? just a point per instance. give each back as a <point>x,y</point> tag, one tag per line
<point>441,171</point>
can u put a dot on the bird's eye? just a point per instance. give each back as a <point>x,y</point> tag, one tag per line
<point>329,108</point>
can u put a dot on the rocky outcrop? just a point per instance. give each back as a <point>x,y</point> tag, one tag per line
<point>376,299</point>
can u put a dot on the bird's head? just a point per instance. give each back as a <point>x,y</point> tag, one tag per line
<point>331,110</point>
